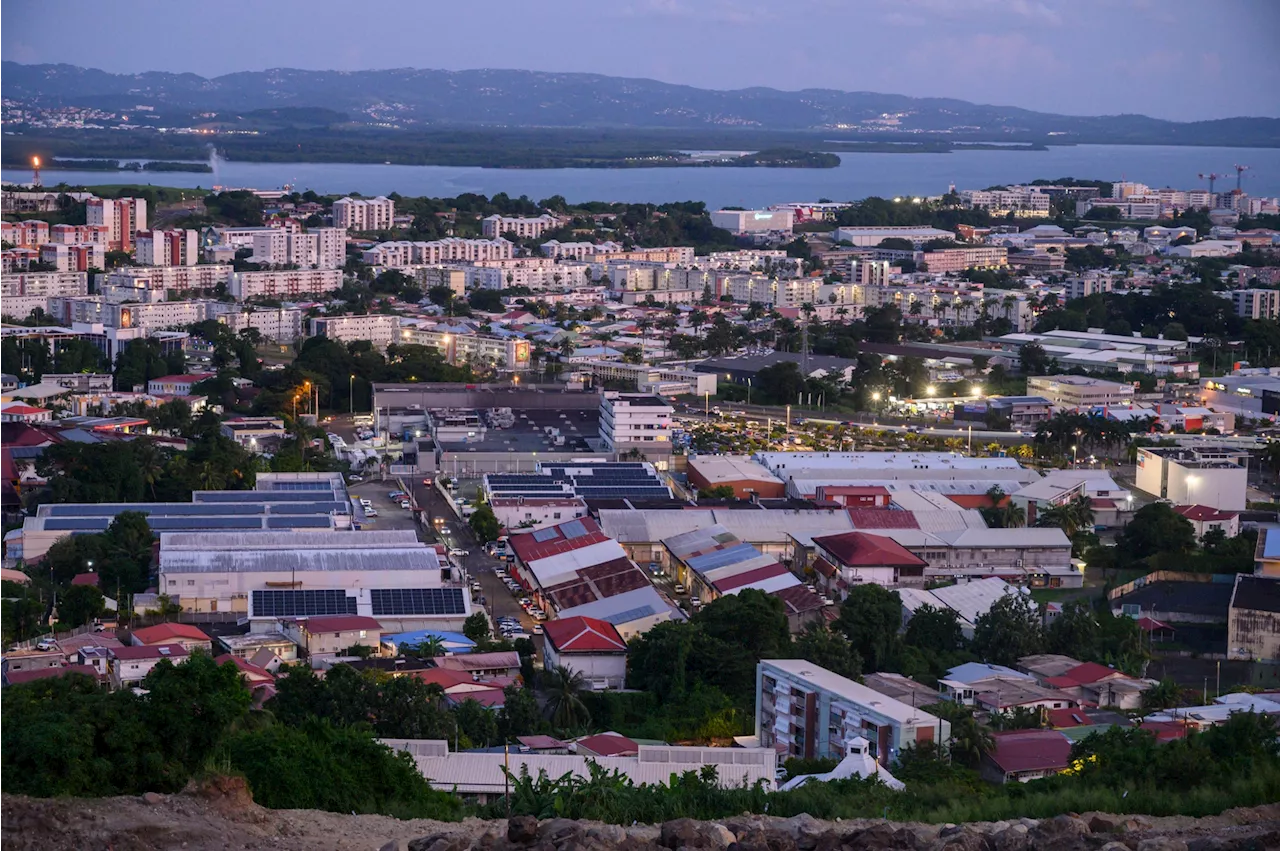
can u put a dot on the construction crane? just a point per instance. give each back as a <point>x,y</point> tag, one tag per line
<point>1211,177</point>
<point>1240,170</point>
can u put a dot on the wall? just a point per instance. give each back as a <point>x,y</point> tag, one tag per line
<point>612,669</point>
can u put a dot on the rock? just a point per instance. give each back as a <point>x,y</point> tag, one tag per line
<point>522,830</point>
<point>1162,843</point>
<point>560,831</point>
<point>395,845</point>
<point>1114,846</point>
<point>440,842</point>
<point>687,833</point>
<point>962,839</point>
<point>1109,823</point>
<point>607,835</point>
<point>949,830</point>
<point>804,829</point>
<point>152,798</point>
<point>768,839</point>
<point>1060,833</point>
<point>880,837</point>
<point>1012,838</point>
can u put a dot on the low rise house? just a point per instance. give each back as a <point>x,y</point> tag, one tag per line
<point>13,678</point>
<point>1020,756</point>
<point>1206,519</point>
<point>188,636</point>
<point>605,744</point>
<point>1099,685</point>
<point>497,664</point>
<point>132,664</point>
<point>249,646</point>
<point>587,646</point>
<point>855,558</point>
<point>331,634</point>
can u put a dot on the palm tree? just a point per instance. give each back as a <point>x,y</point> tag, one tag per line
<point>149,463</point>
<point>565,708</point>
<point>970,741</point>
<point>430,647</point>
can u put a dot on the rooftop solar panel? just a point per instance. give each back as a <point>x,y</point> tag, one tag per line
<point>417,601</point>
<point>573,529</point>
<point>292,603</point>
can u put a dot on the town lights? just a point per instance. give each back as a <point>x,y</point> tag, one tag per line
<point>931,390</point>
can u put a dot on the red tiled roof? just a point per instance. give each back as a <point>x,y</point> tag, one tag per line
<point>609,744</point>
<point>878,518</point>
<point>748,577</point>
<point>490,698</point>
<point>1151,624</point>
<point>1166,731</point>
<point>824,567</point>
<point>1090,672</point>
<point>245,666</point>
<point>443,677</point>
<point>21,434</point>
<point>858,549</point>
<point>194,378</point>
<point>165,633</point>
<point>151,651</point>
<point>16,677</point>
<point>583,635</point>
<point>798,599</point>
<point>974,500</point>
<point>85,579</point>
<point>340,623</point>
<point>1204,513</point>
<point>1060,719</point>
<point>528,549</point>
<point>1030,750</point>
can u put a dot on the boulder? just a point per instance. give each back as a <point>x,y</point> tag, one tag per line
<point>152,798</point>
<point>1060,833</point>
<point>522,830</point>
<point>440,842</point>
<point>758,839</point>
<point>1012,838</point>
<point>1162,843</point>
<point>687,833</point>
<point>560,831</point>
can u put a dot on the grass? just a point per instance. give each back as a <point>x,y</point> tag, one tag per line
<point>165,194</point>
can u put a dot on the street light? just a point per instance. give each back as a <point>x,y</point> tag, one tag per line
<point>351,392</point>
<point>931,390</point>
<point>1074,455</point>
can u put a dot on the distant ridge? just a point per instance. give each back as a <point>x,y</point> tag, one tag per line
<point>425,98</point>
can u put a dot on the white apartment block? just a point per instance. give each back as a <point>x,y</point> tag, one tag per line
<point>28,234</point>
<point>635,421</point>
<point>278,324</point>
<point>453,277</point>
<point>280,247</point>
<point>364,214</point>
<point>577,250</point>
<point>21,306</point>
<point>1256,304</point>
<point>754,221</point>
<point>201,277</point>
<point>123,218</point>
<point>669,254</point>
<point>1079,391</point>
<point>770,291</point>
<point>155,316</point>
<point>289,283</point>
<point>243,237</point>
<point>1122,189</point>
<point>44,284</point>
<point>74,258</point>
<point>1086,286</point>
<point>480,349</point>
<point>397,255</point>
<point>168,248</point>
<point>1022,201</point>
<point>331,248</point>
<point>559,276</point>
<point>525,228</point>
<point>78,234</point>
<point>379,329</point>
<point>872,273</point>
<point>870,237</point>
<point>1132,207</point>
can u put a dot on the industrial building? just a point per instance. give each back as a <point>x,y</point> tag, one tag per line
<point>942,472</point>
<point>810,712</point>
<point>1201,475</point>
<point>1079,391</point>
<point>1253,619</point>
<point>270,577</point>
<point>747,477</point>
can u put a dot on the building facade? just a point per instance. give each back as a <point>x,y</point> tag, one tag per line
<point>523,227</point>
<point>635,421</point>
<point>379,329</point>
<point>364,214</point>
<point>289,283</point>
<point>168,248</point>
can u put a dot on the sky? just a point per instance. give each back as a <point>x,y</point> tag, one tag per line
<point>1177,59</point>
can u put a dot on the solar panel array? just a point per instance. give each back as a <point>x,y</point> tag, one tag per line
<point>417,601</point>
<point>280,604</point>
<point>622,480</point>
<point>546,534</point>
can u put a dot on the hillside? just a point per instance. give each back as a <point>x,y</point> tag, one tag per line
<point>407,97</point>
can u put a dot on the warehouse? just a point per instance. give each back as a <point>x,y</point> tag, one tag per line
<point>269,576</point>
<point>747,478</point>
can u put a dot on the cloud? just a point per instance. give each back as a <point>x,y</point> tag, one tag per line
<point>1153,63</point>
<point>922,12</point>
<point>711,11</point>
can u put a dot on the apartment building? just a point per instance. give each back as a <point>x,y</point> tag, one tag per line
<point>153,316</point>
<point>1086,286</point>
<point>74,234</point>
<point>331,248</point>
<point>281,247</point>
<point>870,237</point>
<point>397,255</point>
<point>635,421</point>
<point>1255,304</point>
<point>364,214</point>
<point>644,378</point>
<point>1217,478</point>
<point>813,713</point>
<point>1079,391</point>
<point>123,218</point>
<point>577,250</point>
<point>669,254</point>
<point>278,324</point>
<point>67,284</point>
<point>523,227</point>
<point>74,258</point>
<point>168,248</point>
<point>958,259</point>
<point>770,291</point>
<point>872,273</point>
<point>287,283</point>
<point>754,221</point>
<point>442,276</point>
<point>479,349</point>
<point>1021,201</point>
<point>28,234</point>
<point>163,278</point>
<point>242,237</point>
<point>379,329</point>
<point>536,275</point>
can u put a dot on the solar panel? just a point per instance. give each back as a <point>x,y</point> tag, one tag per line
<point>547,534</point>
<point>417,601</point>
<point>278,604</point>
<point>573,529</point>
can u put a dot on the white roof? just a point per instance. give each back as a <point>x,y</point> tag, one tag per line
<point>971,600</point>
<point>624,608</point>
<point>856,462</point>
<point>731,468</point>
<point>754,526</point>
<point>846,689</point>
<point>480,773</point>
<point>564,566</point>
<point>252,552</point>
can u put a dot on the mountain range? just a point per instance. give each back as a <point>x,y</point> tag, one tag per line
<point>425,98</point>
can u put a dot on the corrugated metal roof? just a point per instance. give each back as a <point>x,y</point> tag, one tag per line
<point>276,552</point>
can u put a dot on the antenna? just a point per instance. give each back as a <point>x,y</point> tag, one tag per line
<point>1240,170</point>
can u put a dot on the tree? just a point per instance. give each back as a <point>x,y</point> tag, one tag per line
<point>519,713</point>
<point>1008,631</point>
<point>476,626</point>
<point>1156,528</point>
<point>970,741</point>
<point>823,646</point>
<point>1033,359</point>
<point>80,604</point>
<point>780,383</point>
<point>717,492</point>
<point>935,629</point>
<point>870,617</point>
<point>478,723</point>
<point>565,708</point>
<point>1074,632</point>
<point>485,524</point>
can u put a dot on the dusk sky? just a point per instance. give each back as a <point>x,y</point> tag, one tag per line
<point>1177,59</point>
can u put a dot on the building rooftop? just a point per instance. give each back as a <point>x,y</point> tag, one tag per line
<point>731,468</point>
<point>848,689</point>
<point>1256,594</point>
<point>340,623</point>
<point>859,549</point>
<point>152,651</point>
<point>165,633</point>
<point>583,635</point>
<point>1030,750</point>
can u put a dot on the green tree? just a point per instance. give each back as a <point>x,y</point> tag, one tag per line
<point>935,629</point>
<point>519,713</point>
<point>829,648</point>
<point>717,492</point>
<point>1033,359</point>
<point>79,605</point>
<point>870,617</point>
<point>1074,632</point>
<point>478,723</point>
<point>1009,630</point>
<point>565,708</point>
<point>1156,528</point>
<point>485,524</point>
<point>476,626</point>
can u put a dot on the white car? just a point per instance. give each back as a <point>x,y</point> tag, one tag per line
<point>457,553</point>
<point>406,505</point>
<point>371,512</point>
<point>355,478</point>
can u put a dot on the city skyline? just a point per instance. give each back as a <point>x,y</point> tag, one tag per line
<point>1045,55</point>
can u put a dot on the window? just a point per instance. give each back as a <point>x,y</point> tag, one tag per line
<point>172,582</point>
<point>191,583</point>
<point>556,516</point>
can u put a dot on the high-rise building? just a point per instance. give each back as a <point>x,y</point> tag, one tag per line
<point>525,228</point>
<point>364,214</point>
<point>331,248</point>
<point>123,218</point>
<point>168,248</point>
<point>74,258</point>
<point>380,329</point>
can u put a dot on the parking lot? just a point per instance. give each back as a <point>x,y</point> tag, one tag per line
<point>390,515</point>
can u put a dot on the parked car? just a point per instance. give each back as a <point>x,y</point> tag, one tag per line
<point>371,512</point>
<point>680,589</point>
<point>457,553</point>
<point>355,478</point>
<point>406,505</point>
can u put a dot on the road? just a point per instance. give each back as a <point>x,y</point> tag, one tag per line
<point>865,422</point>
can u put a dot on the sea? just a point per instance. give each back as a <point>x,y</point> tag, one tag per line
<point>859,175</point>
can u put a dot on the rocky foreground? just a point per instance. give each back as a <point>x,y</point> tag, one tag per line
<point>221,816</point>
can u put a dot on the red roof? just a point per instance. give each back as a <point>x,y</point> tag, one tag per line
<point>748,577</point>
<point>16,677</point>
<point>176,379</point>
<point>1166,731</point>
<point>165,633</point>
<point>878,518</point>
<point>975,500</point>
<point>1090,672</point>
<point>23,410</point>
<point>490,698</point>
<point>1151,624</point>
<point>85,579</point>
<point>798,599</point>
<point>22,434</point>
<point>1204,513</point>
<point>609,744</point>
<point>540,743</point>
<point>245,666</point>
<point>1060,719</point>
<point>340,623</point>
<point>1030,750</point>
<point>446,678</point>
<point>583,635</point>
<point>551,541</point>
<point>858,549</point>
<point>151,651</point>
